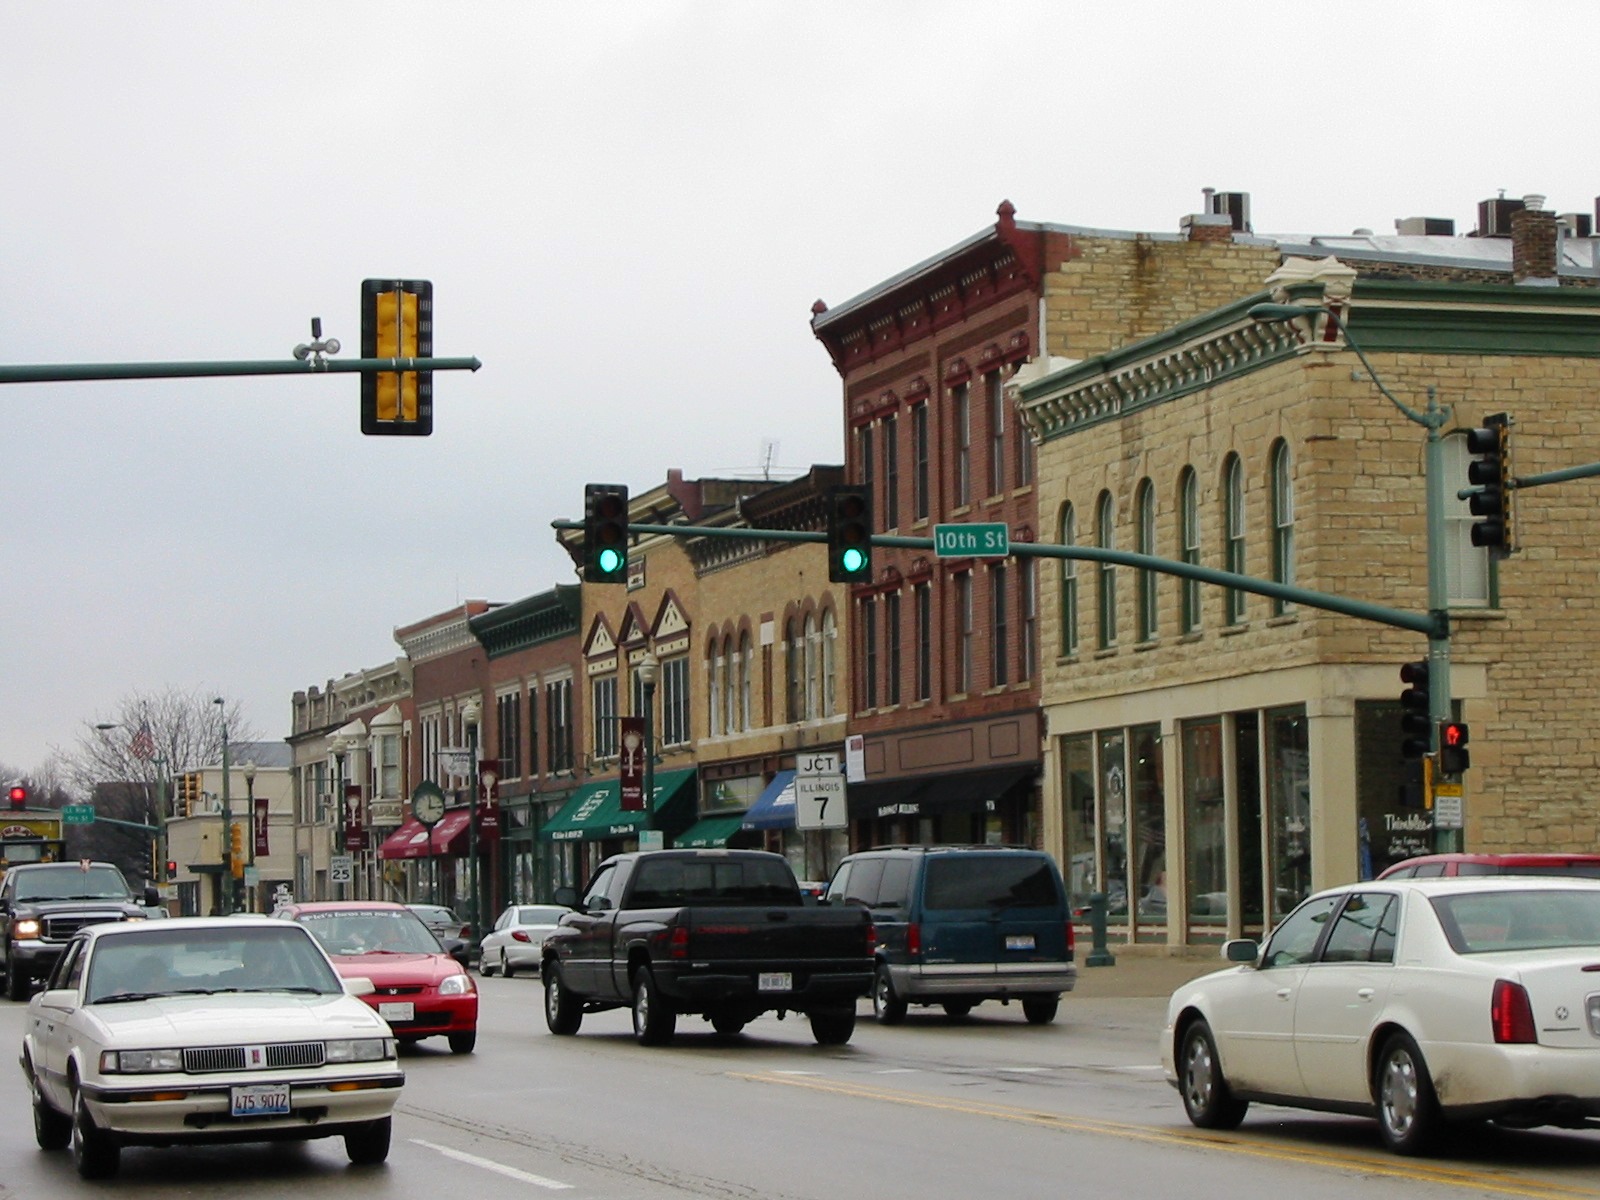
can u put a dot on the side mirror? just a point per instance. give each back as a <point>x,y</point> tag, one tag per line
<point>1241,950</point>
<point>567,897</point>
<point>359,985</point>
<point>65,999</point>
<point>152,898</point>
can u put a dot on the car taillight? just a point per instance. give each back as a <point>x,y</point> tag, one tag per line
<point>1072,937</point>
<point>678,943</point>
<point>913,938</point>
<point>466,931</point>
<point>872,938</point>
<point>518,935</point>
<point>1510,1013</point>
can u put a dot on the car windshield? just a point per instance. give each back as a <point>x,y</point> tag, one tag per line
<point>72,883</point>
<point>171,959</point>
<point>371,931</point>
<point>1517,919</point>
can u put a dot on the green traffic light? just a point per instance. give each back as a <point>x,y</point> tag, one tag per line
<point>853,560</point>
<point>611,561</point>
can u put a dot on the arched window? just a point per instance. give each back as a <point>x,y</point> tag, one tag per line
<point>830,661</point>
<point>1233,533</point>
<point>727,669</point>
<point>1282,521</point>
<point>813,668</point>
<point>1189,546</point>
<point>1144,507</point>
<point>746,665</point>
<point>1106,574</point>
<point>714,673</point>
<point>793,683</point>
<point>1069,584</point>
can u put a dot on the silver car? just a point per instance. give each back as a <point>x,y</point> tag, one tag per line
<point>517,937</point>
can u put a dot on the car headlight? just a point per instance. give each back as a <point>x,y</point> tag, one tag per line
<point>140,1062</point>
<point>25,928</point>
<point>457,985</point>
<point>359,1050</point>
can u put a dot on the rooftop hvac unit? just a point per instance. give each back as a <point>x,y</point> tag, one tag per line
<point>1425,226</point>
<point>1494,217</point>
<point>1234,205</point>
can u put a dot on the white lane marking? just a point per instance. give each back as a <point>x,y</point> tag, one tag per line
<point>797,1072</point>
<point>488,1164</point>
<point>898,1071</point>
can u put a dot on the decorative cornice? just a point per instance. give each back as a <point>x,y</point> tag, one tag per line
<point>438,641</point>
<point>532,621</point>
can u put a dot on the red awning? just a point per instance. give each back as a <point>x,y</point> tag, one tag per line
<point>412,840</point>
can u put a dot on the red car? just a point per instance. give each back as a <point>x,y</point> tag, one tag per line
<point>420,990</point>
<point>1426,865</point>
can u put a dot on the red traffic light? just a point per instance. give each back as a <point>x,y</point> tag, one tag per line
<point>1454,758</point>
<point>1453,733</point>
<point>19,796</point>
<point>172,867</point>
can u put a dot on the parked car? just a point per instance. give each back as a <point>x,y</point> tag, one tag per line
<point>1414,1001</point>
<point>720,933</point>
<point>516,943</point>
<point>1425,866</point>
<point>958,925</point>
<point>417,987</point>
<point>454,934</point>
<point>204,1030</point>
<point>43,904</point>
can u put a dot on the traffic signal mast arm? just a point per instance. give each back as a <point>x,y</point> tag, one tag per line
<point>79,372</point>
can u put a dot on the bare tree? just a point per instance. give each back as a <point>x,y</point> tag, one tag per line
<point>151,738</point>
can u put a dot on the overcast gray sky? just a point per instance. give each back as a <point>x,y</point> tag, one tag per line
<point>626,211</point>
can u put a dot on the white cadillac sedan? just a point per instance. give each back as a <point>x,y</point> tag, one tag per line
<point>202,1029</point>
<point>1415,1001</point>
<point>516,943</point>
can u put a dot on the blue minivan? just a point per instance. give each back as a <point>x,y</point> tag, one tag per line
<point>957,925</point>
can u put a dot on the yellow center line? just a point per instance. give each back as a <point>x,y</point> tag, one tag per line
<point>1478,1178</point>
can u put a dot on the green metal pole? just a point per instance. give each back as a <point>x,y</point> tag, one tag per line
<point>80,372</point>
<point>226,897</point>
<point>472,839</point>
<point>1439,693</point>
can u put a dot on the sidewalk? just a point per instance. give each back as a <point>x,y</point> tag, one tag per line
<point>1145,970</point>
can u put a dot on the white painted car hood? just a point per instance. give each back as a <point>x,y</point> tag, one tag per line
<point>223,1019</point>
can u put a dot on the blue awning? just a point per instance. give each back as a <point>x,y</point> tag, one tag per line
<point>774,808</point>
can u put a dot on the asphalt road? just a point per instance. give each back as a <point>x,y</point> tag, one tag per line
<point>932,1110</point>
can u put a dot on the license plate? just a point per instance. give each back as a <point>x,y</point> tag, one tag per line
<point>261,1100</point>
<point>1019,941</point>
<point>775,981</point>
<point>398,1011</point>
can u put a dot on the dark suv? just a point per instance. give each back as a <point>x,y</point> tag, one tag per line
<point>43,904</point>
<point>957,925</point>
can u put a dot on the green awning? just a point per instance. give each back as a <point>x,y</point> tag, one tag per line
<point>711,832</point>
<point>594,814</point>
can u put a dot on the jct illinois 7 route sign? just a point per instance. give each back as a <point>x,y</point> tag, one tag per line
<point>971,541</point>
<point>819,791</point>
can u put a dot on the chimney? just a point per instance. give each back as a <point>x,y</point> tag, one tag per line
<point>1534,243</point>
<point>1207,227</point>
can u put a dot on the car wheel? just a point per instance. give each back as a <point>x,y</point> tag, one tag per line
<point>563,1012</point>
<point>1040,1010</point>
<point>462,1043</point>
<point>506,968</point>
<point>51,1129</point>
<point>1408,1109</point>
<point>94,1152</point>
<point>484,968</point>
<point>1207,1098</point>
<point>368,1145</point>
<point>833,1026</point>
<point>653,1018</point>
<point>16,981</point>
<point>957,1009</point>
<point>888,1008</point>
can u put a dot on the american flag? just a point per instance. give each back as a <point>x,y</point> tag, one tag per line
<point>143,745</point>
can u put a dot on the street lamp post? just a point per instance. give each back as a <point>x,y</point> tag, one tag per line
<point>1432,419</point>
<point>225,888</point>
<point>470,715</point>
<point>250,807</point>
<point>339,745</point>
<point>648,669</point>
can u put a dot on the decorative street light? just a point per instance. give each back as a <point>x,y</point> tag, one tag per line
<point>469,715</point>
<point>250,807</point>
<point>225,883</point>
<point>648,669</point>
<point>339,746</point>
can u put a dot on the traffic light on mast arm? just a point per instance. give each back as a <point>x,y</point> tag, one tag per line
<point>1490,496</point>
<point>1416,727</point>
<point>1454,758</point>
<point>397,322</point>
<point>849,535</point>
<point>236,850</point>
<point>605,533</point>
<point>18,795</point>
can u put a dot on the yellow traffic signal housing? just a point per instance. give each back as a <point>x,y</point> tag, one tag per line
<point>397,322</point>
<point>236,849</point>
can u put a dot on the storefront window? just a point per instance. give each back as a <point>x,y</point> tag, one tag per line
<point>1205,829</point>
<point>1391,824</point>
<point>1114,827</point>
<point>1149,824</point>
<point>1289,808</point>
<point>1077,789</point>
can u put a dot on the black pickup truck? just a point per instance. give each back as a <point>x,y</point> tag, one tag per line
<point>43,904</point>
<point>724,934</point>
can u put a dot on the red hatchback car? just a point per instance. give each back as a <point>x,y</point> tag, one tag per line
<point>419,989</point>
<point>1426,865</point>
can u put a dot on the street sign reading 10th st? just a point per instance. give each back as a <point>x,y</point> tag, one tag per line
<point>988,540</point>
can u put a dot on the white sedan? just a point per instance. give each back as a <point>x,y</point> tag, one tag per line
<point>517,939</point>
<point>204,1030</point>
<point>1415,1001</point>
